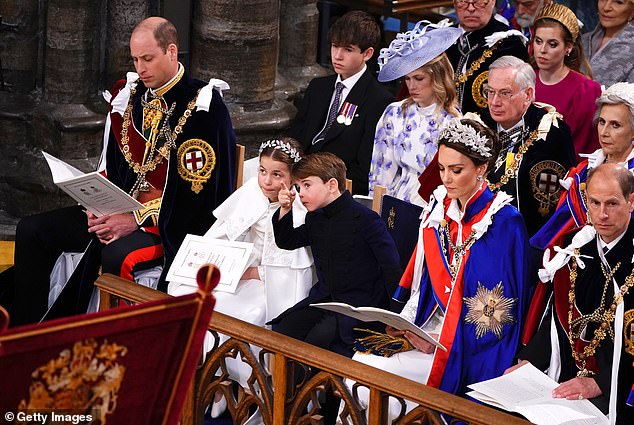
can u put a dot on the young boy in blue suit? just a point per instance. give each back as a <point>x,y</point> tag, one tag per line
<point>356,259</point>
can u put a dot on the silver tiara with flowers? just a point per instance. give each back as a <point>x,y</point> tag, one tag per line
<point>409,41</point>
<point>456,132</point>
<point>283,146</point>
<point>623,91</point>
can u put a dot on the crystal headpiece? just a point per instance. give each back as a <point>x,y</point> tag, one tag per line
<point>412,49</point>
<point>623,91</point>
<point>563,15</point>
<point>283,146</point>
<point>457,132</point>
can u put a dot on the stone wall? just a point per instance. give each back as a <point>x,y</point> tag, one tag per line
<point>57,55</point>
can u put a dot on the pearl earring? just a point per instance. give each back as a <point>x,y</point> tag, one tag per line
<point>479,178</point>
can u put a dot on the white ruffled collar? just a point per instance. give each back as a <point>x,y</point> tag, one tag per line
<point>434,212</point>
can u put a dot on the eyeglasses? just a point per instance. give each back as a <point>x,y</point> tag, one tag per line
<point>478,4</point>
<point>502,94</point>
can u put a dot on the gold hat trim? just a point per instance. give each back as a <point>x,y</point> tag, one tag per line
<point>563,15</point>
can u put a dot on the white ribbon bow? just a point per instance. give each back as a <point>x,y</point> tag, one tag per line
<point>501,35</point>
<point>585,235</point>
<point>120,102</point>
<point>203,101</point>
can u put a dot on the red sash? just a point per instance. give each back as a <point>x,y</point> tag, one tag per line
<point>440,280</point>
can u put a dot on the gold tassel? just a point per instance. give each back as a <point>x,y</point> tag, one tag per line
<point>381,344</point>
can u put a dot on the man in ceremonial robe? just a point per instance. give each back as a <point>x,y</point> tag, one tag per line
<point>485,39</point>
<point>537,148</point>
<point>591,314</point>
<point>169,143</point>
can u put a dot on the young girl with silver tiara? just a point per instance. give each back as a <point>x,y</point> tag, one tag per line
<point>275,279</point>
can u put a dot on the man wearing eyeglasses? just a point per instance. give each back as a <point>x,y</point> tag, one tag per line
<point>485,39</point>
<point>537,148</point>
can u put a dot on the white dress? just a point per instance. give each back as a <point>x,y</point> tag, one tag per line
<point>403,147</point>
<point>285,276</point>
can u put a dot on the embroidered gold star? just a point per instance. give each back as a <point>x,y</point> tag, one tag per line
<point>489,310</point>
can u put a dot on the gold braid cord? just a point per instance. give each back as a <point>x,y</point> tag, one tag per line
<point>606,317</point>
<point>511,171</point>
<point>463,77</point>
<point>145,167</point>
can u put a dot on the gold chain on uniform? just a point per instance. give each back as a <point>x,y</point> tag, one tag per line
<point>143,168</point>
<point>458,250</point>
<point>606,317</point>
<point>463,77</point>
<point>511,171</point>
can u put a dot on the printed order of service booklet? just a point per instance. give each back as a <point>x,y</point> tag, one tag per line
<point>373,314</point>
<point>92,190</point>
<point>231,258</point>
<point>528,391</point>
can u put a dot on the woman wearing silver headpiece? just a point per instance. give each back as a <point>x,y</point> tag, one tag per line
<point>615,126</point>
<point>275,279</point>
<point>471,305</point>
<point>405,140</point>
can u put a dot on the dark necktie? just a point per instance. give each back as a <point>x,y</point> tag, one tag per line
<point>605,249</point>
<point>332,113</point>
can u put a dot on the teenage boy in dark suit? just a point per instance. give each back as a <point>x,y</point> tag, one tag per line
<point>339,113</point>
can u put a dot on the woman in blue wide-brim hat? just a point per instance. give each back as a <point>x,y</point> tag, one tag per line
<point>405,139</point>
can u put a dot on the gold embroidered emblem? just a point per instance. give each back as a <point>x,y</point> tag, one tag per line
<point>391,218</point>
<point>628,332</point>
<point>477,92</point>
<point>545,177</point>
<point>196,161</point>
<point>150,209</point>
<point>489,310</point>
<point>85,379</point>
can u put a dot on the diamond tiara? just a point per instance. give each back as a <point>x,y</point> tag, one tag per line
<point>283,146</point>
<point>456,132</point>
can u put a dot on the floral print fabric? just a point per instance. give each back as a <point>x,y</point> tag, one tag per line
<point>404,144</point>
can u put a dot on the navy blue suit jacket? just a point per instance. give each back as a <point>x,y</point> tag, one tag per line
<point>352,143</point>
<point>355,257</point>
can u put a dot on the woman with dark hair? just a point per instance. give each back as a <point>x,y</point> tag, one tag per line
<point>610,46</point>
<point>558,56</point>
<point>405,139</point>
<point>452,289</point>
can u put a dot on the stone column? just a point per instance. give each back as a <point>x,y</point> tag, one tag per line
<point>19,45</point>
<point>72,44</point>
<point>56,119</point>
<point>122,17</point>
<point>299,24</point>
<point>237,41</point>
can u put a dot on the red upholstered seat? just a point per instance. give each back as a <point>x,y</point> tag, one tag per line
<point>131,365</point>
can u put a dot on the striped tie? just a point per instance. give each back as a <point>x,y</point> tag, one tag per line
<point>332,113</point>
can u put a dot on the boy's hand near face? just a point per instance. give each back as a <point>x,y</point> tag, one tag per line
<point>286,198</point>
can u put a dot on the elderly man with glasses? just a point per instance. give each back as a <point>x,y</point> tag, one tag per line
<point>537,146</point>
<point>485,39</point>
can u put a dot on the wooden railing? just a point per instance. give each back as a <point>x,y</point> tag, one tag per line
<point>272,371</point>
